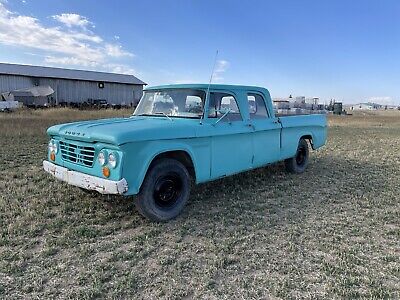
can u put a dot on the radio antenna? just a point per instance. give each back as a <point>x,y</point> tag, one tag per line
<point>209,83</point>
<point>212,72</point>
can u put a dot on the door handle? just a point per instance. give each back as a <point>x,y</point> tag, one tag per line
<point>251,126</point>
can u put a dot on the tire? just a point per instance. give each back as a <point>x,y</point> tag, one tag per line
<point>299,162</point>
<point>165,191</point>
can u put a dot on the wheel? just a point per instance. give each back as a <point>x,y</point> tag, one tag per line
<point>165,190</point>
<point>299,162</point>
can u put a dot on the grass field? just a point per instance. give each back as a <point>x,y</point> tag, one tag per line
<point>333,232</point>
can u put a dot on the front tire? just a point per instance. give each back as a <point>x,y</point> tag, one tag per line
<point>299,162</point>
<point>165,190</point>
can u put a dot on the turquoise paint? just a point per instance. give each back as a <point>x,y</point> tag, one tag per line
<point>216,150</point>
<point>295,127</point>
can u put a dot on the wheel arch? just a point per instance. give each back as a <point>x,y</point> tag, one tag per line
<point>182,155</point>
<point>308,137</point>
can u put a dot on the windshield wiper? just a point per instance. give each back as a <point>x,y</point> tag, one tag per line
<point>141,115</point>
<point>164,114</point>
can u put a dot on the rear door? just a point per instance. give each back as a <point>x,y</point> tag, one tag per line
<point>266,130</point>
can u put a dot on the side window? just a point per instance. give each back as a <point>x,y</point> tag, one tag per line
<point>194,104</point>
<point>257,108</point>
<point>220,103</point>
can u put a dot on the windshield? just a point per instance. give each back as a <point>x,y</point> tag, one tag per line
<point>184,103</point>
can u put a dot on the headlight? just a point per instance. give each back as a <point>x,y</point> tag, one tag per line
<point>113,160</point>
<point>53,146</point>
<point>101,158</point>
<point>50,146</point>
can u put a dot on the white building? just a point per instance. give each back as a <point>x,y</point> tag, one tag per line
<point>364,106</point>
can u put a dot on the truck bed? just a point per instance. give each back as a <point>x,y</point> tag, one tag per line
<point>291,114</point>
<point>294,127</point>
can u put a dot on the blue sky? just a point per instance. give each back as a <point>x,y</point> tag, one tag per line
<point>347,50</point>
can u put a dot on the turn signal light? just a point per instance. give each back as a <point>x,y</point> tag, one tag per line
<point>106,172</point>
<point>52,156</point>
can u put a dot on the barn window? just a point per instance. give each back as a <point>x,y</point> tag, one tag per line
<point>101,85</point>
<point>35,81</point>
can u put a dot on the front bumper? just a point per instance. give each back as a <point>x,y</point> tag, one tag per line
<point>89,182</point>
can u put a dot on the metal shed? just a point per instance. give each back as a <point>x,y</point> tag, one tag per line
<point>72,86</point>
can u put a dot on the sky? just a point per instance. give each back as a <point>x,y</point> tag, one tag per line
<point>345,50</point>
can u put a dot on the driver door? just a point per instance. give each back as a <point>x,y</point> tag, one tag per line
<point>231,138</point>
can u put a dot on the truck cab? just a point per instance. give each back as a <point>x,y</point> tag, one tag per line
<point>177,135</point>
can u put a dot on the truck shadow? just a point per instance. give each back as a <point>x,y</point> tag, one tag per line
<point>271,190</point>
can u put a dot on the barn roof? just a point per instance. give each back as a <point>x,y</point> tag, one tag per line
<point>47,72</point>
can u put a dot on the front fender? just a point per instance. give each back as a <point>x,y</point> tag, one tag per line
<point>138,157</point>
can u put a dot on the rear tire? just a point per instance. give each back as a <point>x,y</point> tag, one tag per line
<point>299,162</point>
<point>165,190</point>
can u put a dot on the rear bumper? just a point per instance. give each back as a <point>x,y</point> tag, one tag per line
<point>101,185</point>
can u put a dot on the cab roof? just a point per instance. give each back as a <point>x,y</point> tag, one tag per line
<point>229,87</point>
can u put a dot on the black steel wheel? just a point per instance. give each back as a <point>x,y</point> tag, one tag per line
<point>301,155</point>
<point>299,162</point>
<point>165,190</point>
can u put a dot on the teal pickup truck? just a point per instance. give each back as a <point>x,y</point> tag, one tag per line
<point>177,135</point>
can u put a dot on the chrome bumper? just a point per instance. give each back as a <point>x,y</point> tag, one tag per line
<point>89,182</point>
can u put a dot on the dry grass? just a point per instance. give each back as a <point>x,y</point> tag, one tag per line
<point>333,232</point>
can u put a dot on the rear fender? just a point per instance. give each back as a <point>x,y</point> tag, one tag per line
<point>292,136</point>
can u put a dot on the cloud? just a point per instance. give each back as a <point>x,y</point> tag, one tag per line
<point>113,68</point>
<point>69,61</point>
<point>70,45</point>
<point>71,20</point>
<point>86,37</point>
<point>121,69</point>
<point>117,51</point>
<point>220,68</point>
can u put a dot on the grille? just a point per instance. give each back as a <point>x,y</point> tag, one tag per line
<point>81,155</point>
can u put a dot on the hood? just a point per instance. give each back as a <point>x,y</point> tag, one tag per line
<point>119,131</point>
